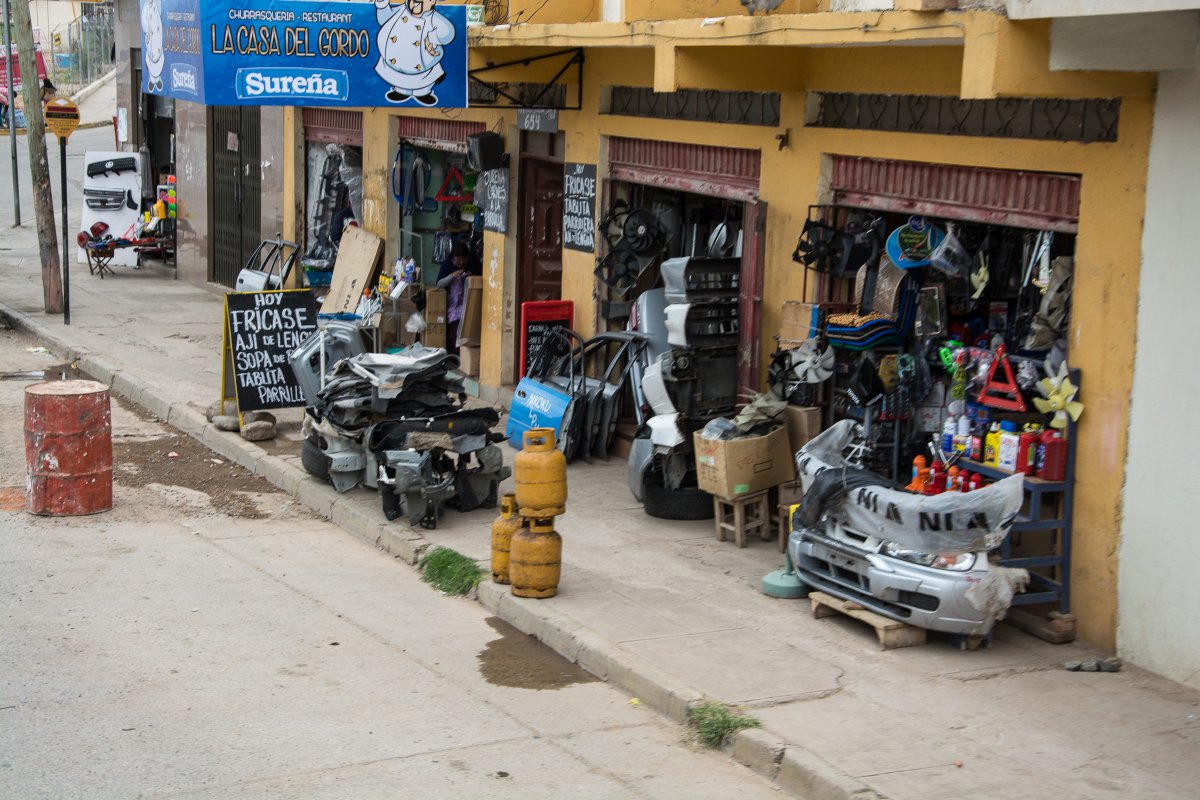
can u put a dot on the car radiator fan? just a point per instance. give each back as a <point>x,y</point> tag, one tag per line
<point>795,372</point>
<point>1059,394</point>
<point>821,247</point>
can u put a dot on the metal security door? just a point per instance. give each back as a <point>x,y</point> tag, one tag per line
<point>236,185</point>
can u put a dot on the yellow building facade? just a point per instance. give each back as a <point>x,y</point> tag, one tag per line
<point>798,54</point>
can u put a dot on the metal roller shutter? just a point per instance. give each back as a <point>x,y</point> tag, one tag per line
<point>1041,200</point>
<point>439,134</point>
<point>333,125</point>
<point>728,172</point>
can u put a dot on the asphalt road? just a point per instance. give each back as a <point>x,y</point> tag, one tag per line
<point>210,638</point>
<point>78,144</point>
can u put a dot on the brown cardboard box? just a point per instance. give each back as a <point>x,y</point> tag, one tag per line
<point>803,423</point>
<point>741,466</point>
<point>392,326</point>
<point>435,318</point>
<point>471,327</point>
<point>356,269</point>
<point>797,323</point>
<point>468,360</point>
<point>790,493</point>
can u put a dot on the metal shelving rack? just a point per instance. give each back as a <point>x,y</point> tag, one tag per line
<point>1046,513</point>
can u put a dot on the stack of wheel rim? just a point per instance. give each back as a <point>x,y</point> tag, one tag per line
<point>535,553</point>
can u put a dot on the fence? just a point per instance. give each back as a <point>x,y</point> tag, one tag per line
<point>84,52</point>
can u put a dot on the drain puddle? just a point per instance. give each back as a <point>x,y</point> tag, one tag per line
<point>522,662</point>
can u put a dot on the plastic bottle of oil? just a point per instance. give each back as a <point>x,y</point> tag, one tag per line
<point>991,446</point>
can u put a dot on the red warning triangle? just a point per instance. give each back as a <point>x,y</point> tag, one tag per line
<point>1002,394</point>
<point>453,190</point>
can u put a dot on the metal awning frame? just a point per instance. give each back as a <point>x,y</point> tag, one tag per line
<point>575,59</point>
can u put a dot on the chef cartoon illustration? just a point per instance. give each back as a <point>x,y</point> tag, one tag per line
<point>152,30</point>
<point>411,37</point>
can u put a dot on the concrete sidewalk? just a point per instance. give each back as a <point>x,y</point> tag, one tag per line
<point>671,616</point>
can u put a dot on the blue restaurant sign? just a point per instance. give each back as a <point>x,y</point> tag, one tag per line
<point>306,53</point>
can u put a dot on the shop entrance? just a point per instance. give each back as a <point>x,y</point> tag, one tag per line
<point>234,159</point>
<point>333,188</point>
<point>940,322</point>
<point>704,204</point>
<point>539,242</point>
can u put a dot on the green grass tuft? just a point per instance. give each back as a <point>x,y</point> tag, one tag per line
<point>715,722</point>
<point>450,571</point>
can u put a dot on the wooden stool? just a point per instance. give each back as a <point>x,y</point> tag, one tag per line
<point>748,513</point>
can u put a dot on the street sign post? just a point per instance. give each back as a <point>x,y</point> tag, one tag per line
<point>62,118</point>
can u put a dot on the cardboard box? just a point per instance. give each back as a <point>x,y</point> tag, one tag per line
<point>435,306</point>
<point>741,466</point>
<point>356,268</point>
<point>435,318</point>
<point>470,329</point>
<point>800,321</point>
<point>468,360</point>
<point>803,423</point>
<point>790,493</point>
<point>392,326</point>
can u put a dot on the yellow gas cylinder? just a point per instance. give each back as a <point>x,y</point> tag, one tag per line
<point>503,529</point>
<point>540,473</point>
<point>535,563</point>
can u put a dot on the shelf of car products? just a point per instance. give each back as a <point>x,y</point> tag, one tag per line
<point>1046,518</point>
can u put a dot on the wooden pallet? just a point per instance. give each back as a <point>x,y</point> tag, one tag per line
<point>892,634</point>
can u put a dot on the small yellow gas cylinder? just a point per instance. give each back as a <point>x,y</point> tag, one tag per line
<point>535,563</point>
<point>503,529</point>
<point>540,473</point>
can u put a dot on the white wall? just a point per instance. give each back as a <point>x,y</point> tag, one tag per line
<point>1132,42</point>
<point>1159,577</point>
<point>1037,9</point>
<point>51,18</point>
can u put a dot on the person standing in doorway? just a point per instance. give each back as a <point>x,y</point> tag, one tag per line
<point>453,278</point>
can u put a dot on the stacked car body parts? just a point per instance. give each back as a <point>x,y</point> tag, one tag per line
<point>585,381</point>
<point>398,424</point>
<point>686,377</point>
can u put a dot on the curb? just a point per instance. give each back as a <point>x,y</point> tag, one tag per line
<point>93,87</point>
<point>792,768</point>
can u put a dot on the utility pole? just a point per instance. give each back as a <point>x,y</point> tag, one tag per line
<point>39,168</point>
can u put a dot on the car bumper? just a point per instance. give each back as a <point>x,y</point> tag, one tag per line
<point>928,598</point>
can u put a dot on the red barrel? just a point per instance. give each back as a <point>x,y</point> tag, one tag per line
<point>68,448</point>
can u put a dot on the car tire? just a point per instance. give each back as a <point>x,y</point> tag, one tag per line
<point>664,503</point>
<point>315,462</point>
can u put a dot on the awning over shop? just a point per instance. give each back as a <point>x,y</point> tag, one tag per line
<point>303,53</point>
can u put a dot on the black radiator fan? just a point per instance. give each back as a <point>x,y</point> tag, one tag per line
<point>821,247</point>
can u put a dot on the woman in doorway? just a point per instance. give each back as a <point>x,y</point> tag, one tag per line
<point>453,278</point>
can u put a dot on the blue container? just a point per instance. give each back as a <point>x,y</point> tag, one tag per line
<point>535,405</point>
<point>318,277</point>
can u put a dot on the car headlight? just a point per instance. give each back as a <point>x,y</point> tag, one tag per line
<point>960,562</point>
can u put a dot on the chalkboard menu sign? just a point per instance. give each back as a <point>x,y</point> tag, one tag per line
<point>579,207</point>
<point>491,195</point>
<point>539,319</point>
<point>261,328</point>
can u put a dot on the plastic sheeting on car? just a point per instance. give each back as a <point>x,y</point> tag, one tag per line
<point>951,522</point>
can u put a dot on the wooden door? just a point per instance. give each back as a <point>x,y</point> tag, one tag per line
<point>539,269</point>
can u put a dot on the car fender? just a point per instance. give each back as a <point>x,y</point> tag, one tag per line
<point>641,452</point>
